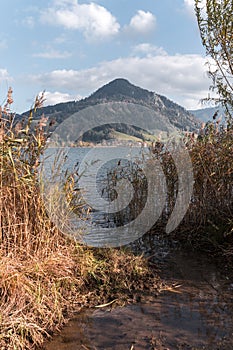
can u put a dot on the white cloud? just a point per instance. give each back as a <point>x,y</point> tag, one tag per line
<point>149,50</point>
<point>93,20</point>
<point>182,78</point>
<point>29,22</point>
<point>4,75</point>
<point>52,98</point>
<point>189,6</point>
<point>52,54</point>
<point>5,78</point>
<point>143,22</point>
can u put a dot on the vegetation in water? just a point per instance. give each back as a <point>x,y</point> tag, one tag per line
<point>44,275</point>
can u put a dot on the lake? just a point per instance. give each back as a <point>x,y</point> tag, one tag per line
<point>125,194</point>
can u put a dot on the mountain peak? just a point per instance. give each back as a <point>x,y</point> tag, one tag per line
<point>119,81</point>
<point>121,90</point>
<point>118,88</point>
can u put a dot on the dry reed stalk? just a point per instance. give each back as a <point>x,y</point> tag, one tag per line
<point>43,274</point>
<point>209,220</point>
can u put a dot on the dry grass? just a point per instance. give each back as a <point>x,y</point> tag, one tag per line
<point>211,210</point>
<point>209,220</point>
<point>43,274</point>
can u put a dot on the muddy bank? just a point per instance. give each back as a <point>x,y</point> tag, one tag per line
<point>197,314</point>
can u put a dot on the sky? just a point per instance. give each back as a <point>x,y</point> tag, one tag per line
<point>70,48</point>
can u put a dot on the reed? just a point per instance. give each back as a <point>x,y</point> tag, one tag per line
<point>211,210</point>
<point>44,275</point>
<point>208,222</point>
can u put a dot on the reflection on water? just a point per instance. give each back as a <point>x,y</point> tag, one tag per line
<point>200,315</point>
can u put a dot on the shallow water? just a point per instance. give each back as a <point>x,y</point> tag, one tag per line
<point>115,189</point>
<point>199,313</point>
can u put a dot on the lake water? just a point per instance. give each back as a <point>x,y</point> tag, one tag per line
<point>113,182</point>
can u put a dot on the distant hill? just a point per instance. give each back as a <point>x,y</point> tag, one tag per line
<point>206,114</point>
<point>172,116</point>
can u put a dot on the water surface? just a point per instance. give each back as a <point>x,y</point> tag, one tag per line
<point>198,314</point>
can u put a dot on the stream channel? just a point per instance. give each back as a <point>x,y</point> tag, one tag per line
<point>199,315</point>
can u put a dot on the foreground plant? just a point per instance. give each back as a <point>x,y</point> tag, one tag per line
<point>213,154</point>
<point>44,275</point>
<point>209,221</point>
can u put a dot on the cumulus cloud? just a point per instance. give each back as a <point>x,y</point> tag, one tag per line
<point>149,50</point>
<point>182,78</point>
<point>143,22</point>
<point>93,20</point>
<point>52,98</point>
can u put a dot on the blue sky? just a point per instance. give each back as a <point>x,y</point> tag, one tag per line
<point>70,48</point>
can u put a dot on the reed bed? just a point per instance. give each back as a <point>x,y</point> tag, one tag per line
<point>208,223</point>
<point>45,275</point>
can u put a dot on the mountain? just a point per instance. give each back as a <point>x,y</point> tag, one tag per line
<point>172,116</point>
<point>120,89</point>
